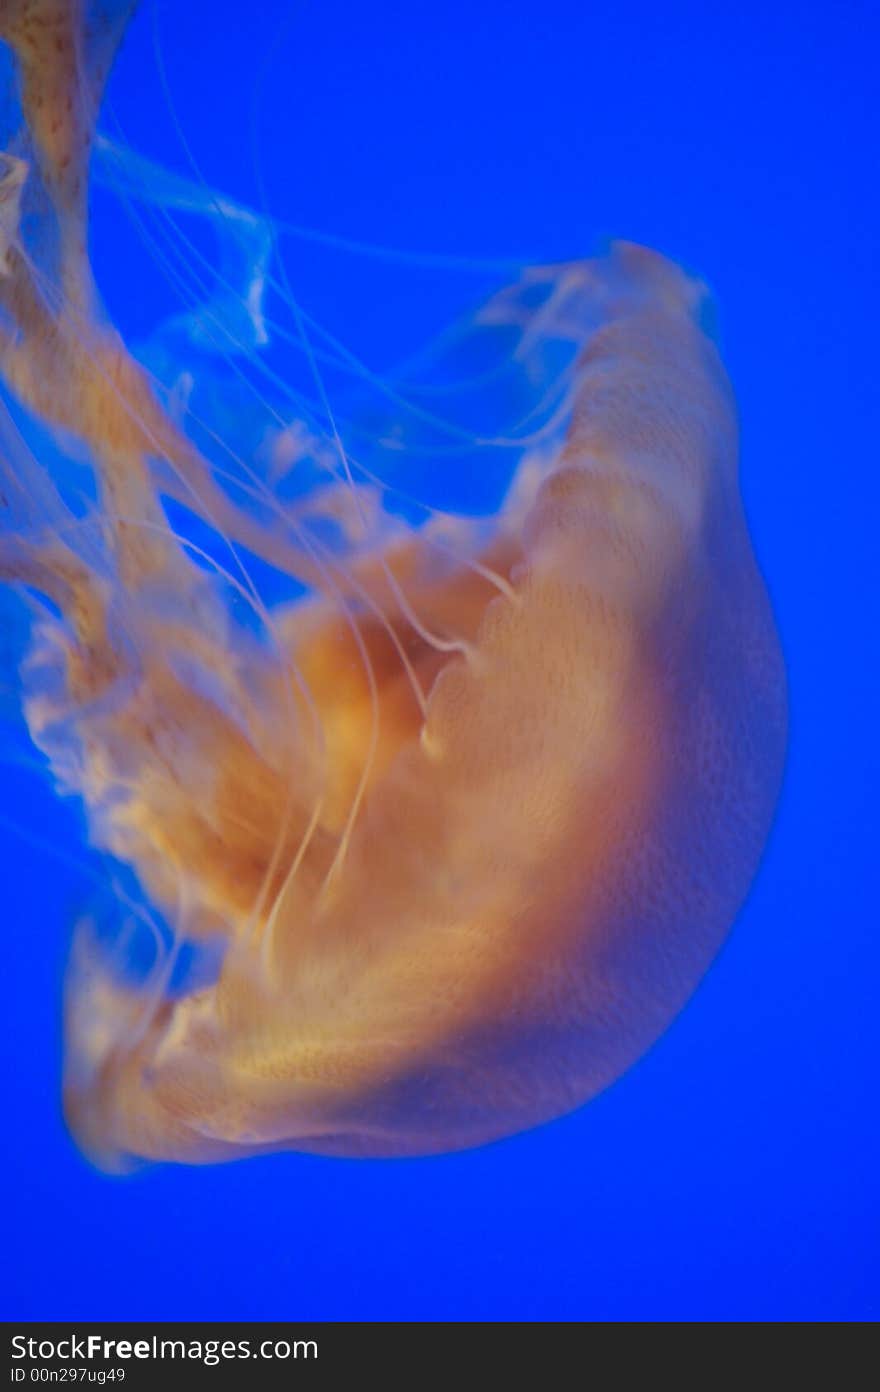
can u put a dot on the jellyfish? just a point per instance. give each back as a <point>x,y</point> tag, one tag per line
<point>447,813</point>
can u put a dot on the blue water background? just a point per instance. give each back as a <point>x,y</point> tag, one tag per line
<point>732,1174</point>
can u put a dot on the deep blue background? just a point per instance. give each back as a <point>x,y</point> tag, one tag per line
<point>732,1174</point>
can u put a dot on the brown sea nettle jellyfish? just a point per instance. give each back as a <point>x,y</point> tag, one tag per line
<point>447,815</point>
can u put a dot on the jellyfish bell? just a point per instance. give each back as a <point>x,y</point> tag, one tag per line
<point>455,824</point>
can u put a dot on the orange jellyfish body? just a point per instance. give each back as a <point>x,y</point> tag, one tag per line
<point>471,835</point>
